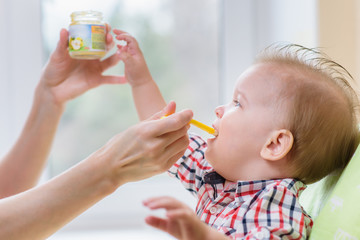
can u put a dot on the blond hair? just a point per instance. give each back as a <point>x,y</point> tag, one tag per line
<point>322,114</point>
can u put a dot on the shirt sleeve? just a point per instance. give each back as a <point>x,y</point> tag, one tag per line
<point>274,214</point>
<point>191,167</point>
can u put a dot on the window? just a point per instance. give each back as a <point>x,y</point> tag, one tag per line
<point>180,44</point>
<point>183,61</point>
<point>195,50</point>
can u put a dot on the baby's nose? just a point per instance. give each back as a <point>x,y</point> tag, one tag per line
<point>219,111</point>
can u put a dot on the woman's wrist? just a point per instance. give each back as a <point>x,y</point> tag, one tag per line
<point>107,171</point>
<point>45,101</point>
<point>95,169</point>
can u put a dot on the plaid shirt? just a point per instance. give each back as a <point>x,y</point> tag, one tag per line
<point>264,209</point>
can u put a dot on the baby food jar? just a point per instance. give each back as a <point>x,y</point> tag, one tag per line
<point>87,35</point>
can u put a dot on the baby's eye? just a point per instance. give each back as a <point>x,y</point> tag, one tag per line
<point>236,103</point>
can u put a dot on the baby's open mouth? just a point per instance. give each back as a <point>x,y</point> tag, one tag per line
<point>216,132</point>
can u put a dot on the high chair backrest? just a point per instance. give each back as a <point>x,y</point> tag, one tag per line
<point>339,219</point>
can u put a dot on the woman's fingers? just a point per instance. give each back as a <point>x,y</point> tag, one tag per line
<point>167,110</point>
<point>177,142</point>
<point>63,41</point>
<point>172,123</point>
<point>62,45</point>
<point>179,147</point>
<point>109,41</point>
<point>113,80</point>
<point>172,137</point>
<point>109,62</point>
<point>108,37</point>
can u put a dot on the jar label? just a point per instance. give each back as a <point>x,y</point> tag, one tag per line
<point>86,37</point>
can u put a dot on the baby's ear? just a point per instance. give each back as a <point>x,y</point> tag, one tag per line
<point>277,145</point>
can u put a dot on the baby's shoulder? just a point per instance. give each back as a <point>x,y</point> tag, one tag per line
<point>284,188</point>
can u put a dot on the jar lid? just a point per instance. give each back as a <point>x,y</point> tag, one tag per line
<point>89,14</point>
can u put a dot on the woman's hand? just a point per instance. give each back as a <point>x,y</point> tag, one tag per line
<point>65,78</point>
<point>143,150</point>
<point>146,149</point>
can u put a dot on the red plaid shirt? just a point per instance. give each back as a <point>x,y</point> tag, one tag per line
<point>264,209</point>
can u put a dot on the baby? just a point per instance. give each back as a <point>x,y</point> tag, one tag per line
<point>291,121</point>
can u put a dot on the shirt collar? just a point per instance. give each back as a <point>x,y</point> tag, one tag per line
<point>245,190</point>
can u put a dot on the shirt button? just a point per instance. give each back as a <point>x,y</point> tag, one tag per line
<point>259,235</point>
<point>213,210</point>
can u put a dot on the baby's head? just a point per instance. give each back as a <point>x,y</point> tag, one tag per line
<point>292,115</point>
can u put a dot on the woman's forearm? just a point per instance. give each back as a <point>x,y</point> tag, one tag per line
<point>141,151</point>
<point>41,211</point>
<point>21,167</point>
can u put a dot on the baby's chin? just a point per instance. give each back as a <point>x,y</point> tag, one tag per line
<point>208,156</point>
<point>211,139</point>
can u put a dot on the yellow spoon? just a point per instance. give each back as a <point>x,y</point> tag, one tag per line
<point>202,126</point>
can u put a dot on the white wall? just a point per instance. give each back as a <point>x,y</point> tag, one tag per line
<point>20,64</point>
